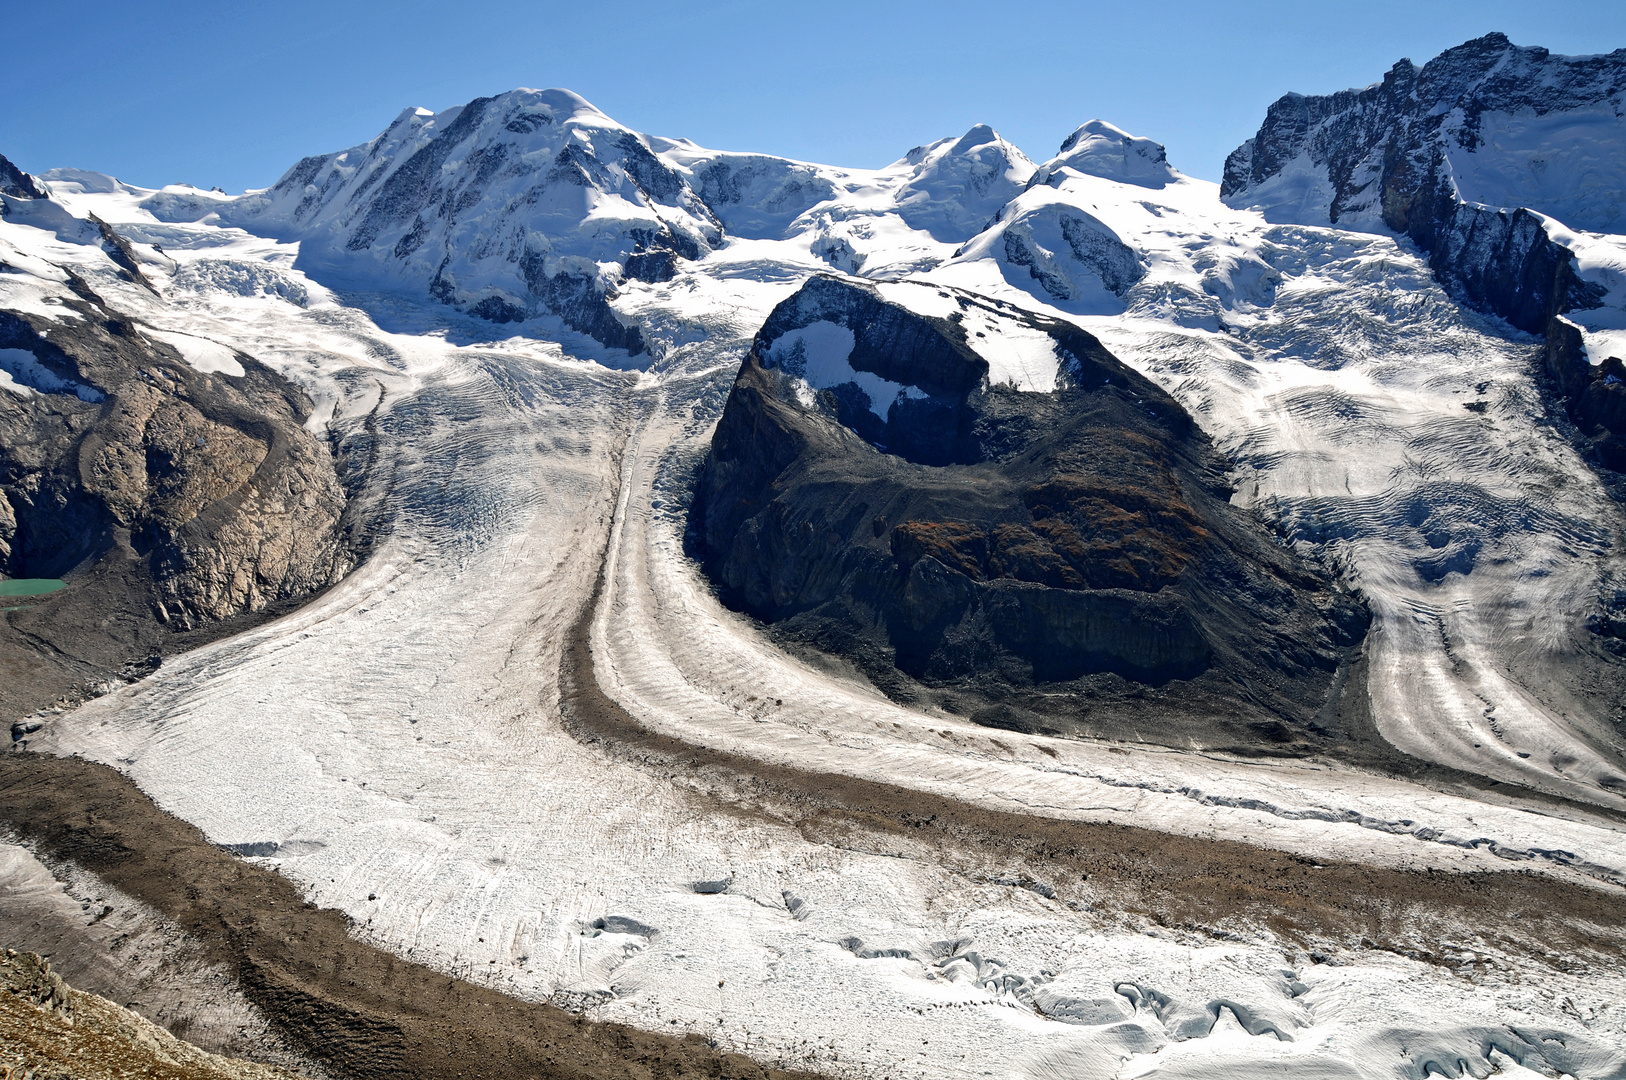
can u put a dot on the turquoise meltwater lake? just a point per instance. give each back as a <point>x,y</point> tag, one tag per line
<point>31,586</point>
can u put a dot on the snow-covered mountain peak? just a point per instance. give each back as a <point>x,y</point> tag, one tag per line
<point>975,140</point>
<point>83,182</point>
<point>955,186</point>
<point>523,138</point>
<point>564,106</point>
<point>1062,239</point>
<point>532,202</point>
<point>1101,149</point>
<point>1492,157</point>
<point>1507,125</point>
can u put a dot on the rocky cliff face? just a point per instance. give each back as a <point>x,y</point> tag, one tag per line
<point>1489,120</point>
<point>16,183</point>
<point>124,445</point>
<point>1473,156</point>
<point>1040,540</point>
<point>1594,395</point>
<point>168,497</point>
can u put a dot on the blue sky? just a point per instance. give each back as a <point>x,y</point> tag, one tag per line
<point>234,93</point>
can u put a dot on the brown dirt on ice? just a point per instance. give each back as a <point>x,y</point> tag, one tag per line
<point>359,1011</point>
<point>1220,888</point>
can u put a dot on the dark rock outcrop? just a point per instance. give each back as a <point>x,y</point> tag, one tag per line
<point>1063,561</point>
<point>169,499</point>
<point>16,183</point>
<point>1594,396</point>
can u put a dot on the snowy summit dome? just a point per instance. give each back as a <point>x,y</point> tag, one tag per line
<point>1098,148</point>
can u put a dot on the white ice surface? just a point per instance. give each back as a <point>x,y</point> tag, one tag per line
<point>22,374</point>
<point>399,736</point>
<point>1600,260</point>
<point>817,354</point>
<point>1299,191</point>
<point>1018,354</point>
<point>23,361</point>
<point>1565,163</point>
<point>201,354</point>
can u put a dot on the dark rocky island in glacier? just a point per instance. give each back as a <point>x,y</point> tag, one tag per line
<point>988,511</point>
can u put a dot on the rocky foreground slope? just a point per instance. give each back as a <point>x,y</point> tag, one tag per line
<point>168,479</point>
<point>50,1031</point>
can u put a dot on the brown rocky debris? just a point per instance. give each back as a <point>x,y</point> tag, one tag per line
<point>50,1031</point>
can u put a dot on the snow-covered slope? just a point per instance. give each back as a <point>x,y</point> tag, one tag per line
<point>535,203</point>
<point>1373,421</point>
<point>1495,159</point>
<point>504,206</point>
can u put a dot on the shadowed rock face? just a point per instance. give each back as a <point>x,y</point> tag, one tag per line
<point>169,498</point>
<point>16,183</point>
<point>1062,560</point>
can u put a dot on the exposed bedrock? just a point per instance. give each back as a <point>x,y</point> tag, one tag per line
<point>1464,156</point>
<point>168,498</point>
<point>1593,395</point>
<point>1060,559</point>
<point>16,183</point>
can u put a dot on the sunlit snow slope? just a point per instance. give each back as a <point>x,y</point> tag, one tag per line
<point>400,738</point>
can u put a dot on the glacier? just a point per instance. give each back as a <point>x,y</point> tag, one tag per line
<point>535,314</point>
